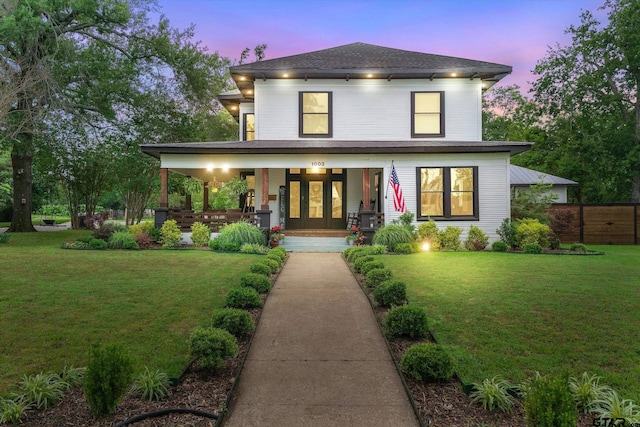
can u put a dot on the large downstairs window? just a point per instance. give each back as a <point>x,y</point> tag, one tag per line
<point>315,114</point>
<point>427,114</point>
<point>447,193</point>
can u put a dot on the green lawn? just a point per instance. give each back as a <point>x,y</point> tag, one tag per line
<point>55,303</point>
<point>513,314</point>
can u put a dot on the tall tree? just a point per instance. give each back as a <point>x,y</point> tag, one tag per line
<point>589,92</point>
<point>91,60</point>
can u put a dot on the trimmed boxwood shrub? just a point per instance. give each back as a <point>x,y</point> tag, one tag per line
<point>428,362</point>
<point>260,268</point>
<point>259,282</point>
<point>357,265</point>
<point>531,231</point>
<point>233,320</point>
<point>499,246</point>
<point>243,297</point>
<point>212,346</point>
<point>376,276</point>
<point>355,253</point>
<point>390,293</point>
<point>549,403</point>
<point>408,320</point>
<point>276,257</point>
<point>368,266</point>
<point>273,265</point>
<point>532,248</point>
<point>280,251</point>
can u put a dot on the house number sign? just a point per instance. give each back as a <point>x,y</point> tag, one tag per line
<point>317,164</point>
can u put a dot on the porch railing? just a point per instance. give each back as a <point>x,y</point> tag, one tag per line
<point>214,220</point>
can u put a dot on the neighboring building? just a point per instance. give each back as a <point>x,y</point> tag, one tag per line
<point>321,130</point>
<point>524,178</point>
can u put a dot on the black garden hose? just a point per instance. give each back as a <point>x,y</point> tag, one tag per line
<point>164,412</point>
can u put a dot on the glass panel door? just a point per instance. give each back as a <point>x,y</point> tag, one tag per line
<point>315,199</point>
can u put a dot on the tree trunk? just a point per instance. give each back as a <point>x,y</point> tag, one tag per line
<point>21,162</point>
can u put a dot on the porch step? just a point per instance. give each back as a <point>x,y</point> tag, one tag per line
<point>316,233</point>
<point>313,244</point>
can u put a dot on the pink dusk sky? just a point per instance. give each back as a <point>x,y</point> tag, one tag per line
<point>510,32</point>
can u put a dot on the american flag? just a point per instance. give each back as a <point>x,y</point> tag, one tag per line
<point>398,200</point>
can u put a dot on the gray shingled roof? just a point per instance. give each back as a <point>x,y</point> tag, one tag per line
<point>363,57</point>
<point>524,177</point>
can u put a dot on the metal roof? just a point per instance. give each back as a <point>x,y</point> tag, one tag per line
<point>334,147</point>
<point>524,177</point>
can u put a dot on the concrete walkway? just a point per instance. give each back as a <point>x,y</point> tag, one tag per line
<point>318,358</point>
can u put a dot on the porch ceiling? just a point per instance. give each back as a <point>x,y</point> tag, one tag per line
<point>335,147</point>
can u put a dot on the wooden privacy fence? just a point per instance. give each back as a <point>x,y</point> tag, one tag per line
<point>602,224</point>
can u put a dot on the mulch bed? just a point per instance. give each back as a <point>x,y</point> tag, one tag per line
<point>446,404</point>
<point>200,389</point>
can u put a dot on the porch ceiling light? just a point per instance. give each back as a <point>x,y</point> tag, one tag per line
<point>209,167</point>
<point>285,75</point>
<point>225,168</point>
<point>454,74</point>
<point>369,76</point>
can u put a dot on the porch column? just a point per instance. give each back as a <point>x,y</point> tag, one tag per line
<point>367,215</point>
<point>162,211</point>
<point>366,190</point>
<point>265,189</point>
<point>264,214</point>
<point>164,188</point>
<point>205,197</point>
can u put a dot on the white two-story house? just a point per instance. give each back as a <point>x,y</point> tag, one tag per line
<point>320,132</point>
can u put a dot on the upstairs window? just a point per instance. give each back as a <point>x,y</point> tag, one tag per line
<point>249,127</point>
<point>448,193</point>
<point>315,114</point>
<point>427,114</point>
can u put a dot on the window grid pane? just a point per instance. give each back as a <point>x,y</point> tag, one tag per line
<point>294,199</point>
<point>316,199</point>
<point>336,199</point>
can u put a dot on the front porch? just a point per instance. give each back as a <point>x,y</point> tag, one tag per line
<point>293,198</point>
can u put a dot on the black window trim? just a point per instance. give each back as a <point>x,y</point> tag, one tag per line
<point>244,126</point>
<point>301,134</point>
<point>446,202</point>
<point>441,134</point>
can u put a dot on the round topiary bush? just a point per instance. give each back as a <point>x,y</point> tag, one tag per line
<point>428,362</point>
<point>578,247</point>
<point>376,276</point>
<point>357,265</point>
<point>280,251</point>
<point>276,257</point>
<point>355,253</point>
<point>368,266</point>
<point>212,346</point>
<point>233,320</point>
<point>392,234</point>
<point>260,268</point>
<point>499,246</point>
<point>390,293</point>
<point>273,265</point>
<point>243,297</point>
<point>259,282</point>
<point>407,320</point>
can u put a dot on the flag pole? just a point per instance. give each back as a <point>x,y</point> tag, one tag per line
<point>386,194</point>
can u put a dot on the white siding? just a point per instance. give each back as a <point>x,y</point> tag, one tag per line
<point>377,110</point>
<point>493,188</point>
